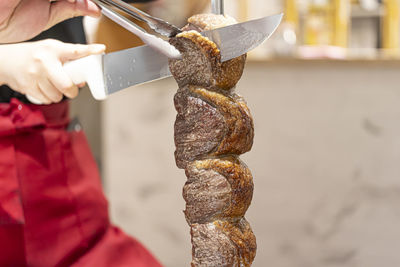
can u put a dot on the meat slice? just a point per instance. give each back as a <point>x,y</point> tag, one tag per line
<point>210,123</point>
<point>217,189</point>
<point>200,64</point>
<point>223,243</point>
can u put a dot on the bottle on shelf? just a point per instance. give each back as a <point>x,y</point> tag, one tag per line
<point>341,22</point>
<point>390,27</point>
<point>326,29</point>
<point>318,23</point>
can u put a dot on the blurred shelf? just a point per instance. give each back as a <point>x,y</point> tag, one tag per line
<point>324,60</point>
<point>366,62</point>
<point>331,54</point>
<point>359,12</point>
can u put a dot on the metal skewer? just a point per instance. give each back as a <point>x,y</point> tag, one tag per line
<point>217,7</point>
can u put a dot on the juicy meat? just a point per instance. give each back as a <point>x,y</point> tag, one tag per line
<point>210,123</point>
<point>212,128</point>
<point>200,64</point>
<point>217,189</point>
<point>222,243</point>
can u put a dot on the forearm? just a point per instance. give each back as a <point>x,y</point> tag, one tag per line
<point>28,18</point>
<point>7,8</point>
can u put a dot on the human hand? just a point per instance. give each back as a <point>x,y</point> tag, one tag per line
<point>21,20</point>
<point>36,68</point>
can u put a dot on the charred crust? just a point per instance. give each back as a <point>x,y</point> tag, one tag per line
<point>201,63</point>
<point>212,128</point>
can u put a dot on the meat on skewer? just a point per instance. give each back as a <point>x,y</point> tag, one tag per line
<point>212,128</point>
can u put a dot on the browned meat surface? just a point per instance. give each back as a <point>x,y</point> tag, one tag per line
<point>210,123</point>
<point>212,128</point>
<point>223,243</point>
<point>217,189</point>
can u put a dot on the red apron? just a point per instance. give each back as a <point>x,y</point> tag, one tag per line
<point>52,208</point>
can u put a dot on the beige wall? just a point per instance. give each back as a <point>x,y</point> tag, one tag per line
<point>325,163</point>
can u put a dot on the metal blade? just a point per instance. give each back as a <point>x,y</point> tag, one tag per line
<point>143,64</point>
<point>133,66</point>
<point>238,39</point>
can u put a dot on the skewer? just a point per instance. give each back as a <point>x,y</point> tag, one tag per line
<point>217,7</point>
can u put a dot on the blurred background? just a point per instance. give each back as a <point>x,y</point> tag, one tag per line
<point>325,97</point>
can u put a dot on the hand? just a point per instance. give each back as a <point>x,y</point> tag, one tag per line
<point>36,68</point>
<point>22,20</point>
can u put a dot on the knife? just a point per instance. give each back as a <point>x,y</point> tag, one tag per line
<point>113,72</point>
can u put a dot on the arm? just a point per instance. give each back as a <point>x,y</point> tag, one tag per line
<point>35,68</point>
<point>21,20</point>
<point>6,9</point>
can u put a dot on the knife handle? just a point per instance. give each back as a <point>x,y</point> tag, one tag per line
<point>87,69</point>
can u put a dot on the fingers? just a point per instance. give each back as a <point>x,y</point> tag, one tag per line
<point>47,72</point>
<point>67,52</point>
<point>92,9</point>
<point>81,85</point>
<point>38,94</point>
<point>59,83</point>
<point>50,91</point>
<point>60,79</point>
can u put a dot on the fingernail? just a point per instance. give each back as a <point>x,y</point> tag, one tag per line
<point>80,85</point>
<point>98,48</point>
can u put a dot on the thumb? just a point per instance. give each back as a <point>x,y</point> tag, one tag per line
<point>67,52</point>
<point>62,10</point>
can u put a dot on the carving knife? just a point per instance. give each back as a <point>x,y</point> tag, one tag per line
<point>113,72</point>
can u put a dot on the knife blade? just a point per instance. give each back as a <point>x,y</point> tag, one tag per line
<point>133,66</point>
<point>238,39</point>
<point>139,65</point>
<point>113,72</point>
